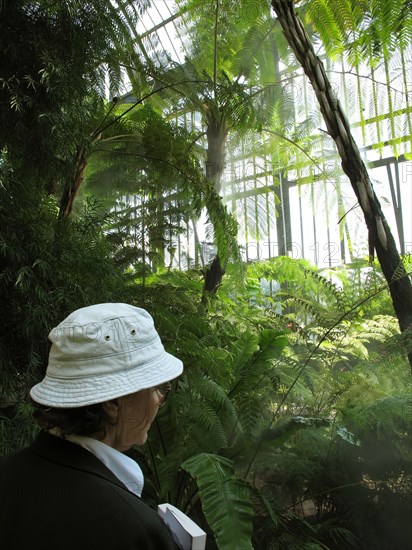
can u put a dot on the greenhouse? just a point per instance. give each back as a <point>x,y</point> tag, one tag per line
<point>241,173</point>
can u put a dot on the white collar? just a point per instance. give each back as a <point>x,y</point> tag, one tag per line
<point>123,467</point>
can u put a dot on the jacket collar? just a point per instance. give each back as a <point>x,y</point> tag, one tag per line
<point>71,455</point>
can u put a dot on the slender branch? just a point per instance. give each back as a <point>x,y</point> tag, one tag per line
<point>157,159</point>
<point>119,139</point>
<point>153,92</point>
<point>328,491</point>
<point>215,50</point>
<point>330,181</point>
<point>97,131</point>
<point>298,146</point>
<point>368,77</point>
<point>357,205</point>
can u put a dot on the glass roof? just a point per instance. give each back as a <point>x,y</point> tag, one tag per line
<point>161,28</point>
<point>164,37</point>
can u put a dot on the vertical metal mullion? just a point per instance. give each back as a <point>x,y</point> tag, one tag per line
<point>341,214</point>
<point>256,206</point>
<point>400,212</point>
<point>269,233</point>
<point>245,203</point>
<point>327,222</point>
<point>315,246</point>
<point>282,206</point>
<point>302,238</point>
<point>396,193</point>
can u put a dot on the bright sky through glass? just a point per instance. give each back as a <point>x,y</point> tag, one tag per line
<point>159,17</point>
<point>160,32</point>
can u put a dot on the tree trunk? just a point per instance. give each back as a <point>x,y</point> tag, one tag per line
<point>71,190</point>
<point>380,236</point>
<point>217,132</point>
<point>213,278</point>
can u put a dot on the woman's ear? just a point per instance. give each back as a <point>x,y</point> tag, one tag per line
<point>111,408</point>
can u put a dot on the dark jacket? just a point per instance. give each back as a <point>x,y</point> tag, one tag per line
<point>55,495</point>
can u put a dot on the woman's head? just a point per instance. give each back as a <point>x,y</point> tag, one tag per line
<point>131,417</point>
<point>106,361</point>
<point>120,422</point>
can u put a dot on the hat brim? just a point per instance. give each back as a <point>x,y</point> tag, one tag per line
<point>65,393</point>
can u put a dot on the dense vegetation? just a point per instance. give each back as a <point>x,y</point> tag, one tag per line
<point>290,427</point>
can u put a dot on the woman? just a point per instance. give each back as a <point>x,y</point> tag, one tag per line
<point>73,489</point>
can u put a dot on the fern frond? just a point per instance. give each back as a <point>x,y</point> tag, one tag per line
<point>225,500</point>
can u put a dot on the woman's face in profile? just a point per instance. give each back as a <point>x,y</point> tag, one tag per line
<point>132,415</point>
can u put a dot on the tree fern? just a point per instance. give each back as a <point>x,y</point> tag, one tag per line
<point>350,24</point>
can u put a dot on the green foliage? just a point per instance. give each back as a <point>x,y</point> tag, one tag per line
<point>52,72</point>
<point>290,427</point>
<point>381,25</point>
<point>301,429</point>
<point>47,270</point>
<point>143,166</point>
<point>257,426</point>
<point>136,140</point>
<point>219,488</point>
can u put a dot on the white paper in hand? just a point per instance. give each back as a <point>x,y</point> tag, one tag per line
<point>186,533</point>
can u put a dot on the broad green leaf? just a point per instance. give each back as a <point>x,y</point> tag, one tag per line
<point>225,500</point>
<point>348,436</point>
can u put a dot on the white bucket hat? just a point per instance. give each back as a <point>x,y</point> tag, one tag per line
<point>102,352</point>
